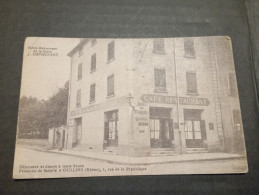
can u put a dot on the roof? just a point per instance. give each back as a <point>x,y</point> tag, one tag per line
<point>82,42</point>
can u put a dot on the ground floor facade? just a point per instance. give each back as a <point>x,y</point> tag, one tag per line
<point>155,123</point>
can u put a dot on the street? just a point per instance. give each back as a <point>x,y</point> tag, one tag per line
<point>32,163</point>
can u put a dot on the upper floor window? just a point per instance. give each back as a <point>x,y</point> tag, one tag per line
<point>191,82</point>
<point>232,84</point>
<point>93,62</point>
<point>189,50</point>
<point>110,86</point>
<point>79,72</point>
<point>160,80</point>
<point>78,98</point>
<point>80,51</point>
<point>93,42</point>
<point>92,93</point>
<point>159,45</point>
<point>110,51</point>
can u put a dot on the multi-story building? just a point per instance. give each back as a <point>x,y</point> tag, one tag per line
<point>138,96</point>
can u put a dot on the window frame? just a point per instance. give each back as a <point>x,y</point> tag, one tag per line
<point>95,58</point>
<point>160,89</point>
<point>190,83</point>
<point>113,90</point>
<point>80,71</point>
<point>78,98</point>
<point>92,93</point>
<point>109,59</point>
<point>189,48</point>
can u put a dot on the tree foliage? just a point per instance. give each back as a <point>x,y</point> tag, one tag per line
<point>37,116</point>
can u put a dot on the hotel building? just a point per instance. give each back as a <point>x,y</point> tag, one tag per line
<point>140,97</point>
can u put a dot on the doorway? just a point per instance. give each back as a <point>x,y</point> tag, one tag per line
<point>111,129</point>
<point>195,130</point>
<point>161,128</point>
<point>77,136</point>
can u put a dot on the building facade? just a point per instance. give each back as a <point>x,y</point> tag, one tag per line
<point>138,97</point>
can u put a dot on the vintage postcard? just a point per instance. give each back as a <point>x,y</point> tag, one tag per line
<point>108,107</point>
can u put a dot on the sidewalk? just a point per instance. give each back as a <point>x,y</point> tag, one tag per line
<point>127,160</point>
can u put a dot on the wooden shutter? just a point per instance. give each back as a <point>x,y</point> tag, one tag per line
<point>93,62</point>
<point>110,51</point>
<point>160,79</point>
<point>110,85</point>
<point>232,84</point>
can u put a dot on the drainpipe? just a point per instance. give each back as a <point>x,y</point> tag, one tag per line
<point>177,106</point>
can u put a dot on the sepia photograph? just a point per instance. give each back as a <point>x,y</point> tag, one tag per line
<point>109,107</point>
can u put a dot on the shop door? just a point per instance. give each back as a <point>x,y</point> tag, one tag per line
<point>111,129</point>
<point>195,131</point>
<point>161,128</point>
<point>238,133</point>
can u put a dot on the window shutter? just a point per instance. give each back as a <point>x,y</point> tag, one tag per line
<point>189,50</point>
<point>93,62</point>
<point>110,85</point>
<point>191,81</point>
<point>79,76</point>
<point>110,51</point>
<point>160,80</point>
<point>92,93</point>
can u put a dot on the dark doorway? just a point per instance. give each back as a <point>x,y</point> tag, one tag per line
<point>161,128</point>
<point>77,136</point>
<point>111,129</point>
<point>195,130</point>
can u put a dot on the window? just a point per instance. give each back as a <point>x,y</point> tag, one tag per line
<point>189,50</point>
<point>93,42</point>
<point>79,72</point>
<point>191,83</point>
<point>159,45</point>
<point>80,51</point>
<point>232,84</point>
<point>160,80</point>
<point>110,51</point>
<point>110,86</point>
<point>92,93</point>
<point>78,98</point>
<point>93,62</point>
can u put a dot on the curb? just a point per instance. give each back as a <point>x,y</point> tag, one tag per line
<point>133,164</point>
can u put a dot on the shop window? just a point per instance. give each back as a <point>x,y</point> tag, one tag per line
<point>93,42</point>
<point>92,93</point>
<point>191,81</point>
<point>159,45</point>
<point>160,80</point>
<point>93,62</point>
<point>154,128</point>
<point>80,51</point>
<point>232,84</point>
<point>189,50</point>
<point>79,72</point>
<point>110,86</point>
<point>111,55</point>
<point>78,98</point>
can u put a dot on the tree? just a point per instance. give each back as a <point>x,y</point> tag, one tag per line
<point>37,116</point>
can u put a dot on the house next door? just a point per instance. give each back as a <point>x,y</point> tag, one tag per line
<point>195,131</point>
<point>161,128</point>
<point>111,129</point>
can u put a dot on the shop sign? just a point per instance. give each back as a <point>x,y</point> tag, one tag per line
<point>149,98</point>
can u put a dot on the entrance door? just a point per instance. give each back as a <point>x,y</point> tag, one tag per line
<point>238,133</point>
<point>195,131</point>
<point>111,129</point>
<point>161,128</point>
<point>77,132</point>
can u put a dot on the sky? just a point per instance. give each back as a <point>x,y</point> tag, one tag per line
<point>43,75</point>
